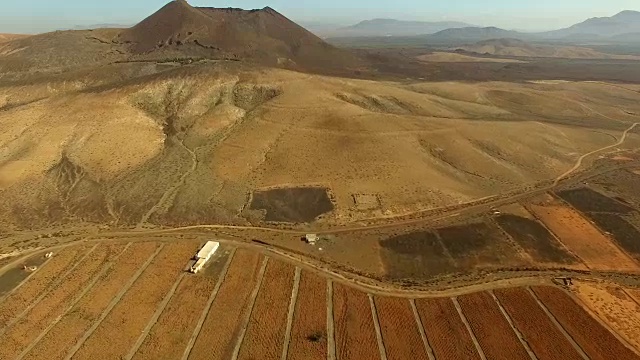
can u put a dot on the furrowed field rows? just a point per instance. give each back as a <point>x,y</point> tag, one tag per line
<point>122,327</point>
<point>544,338</point>
<point>309,331</point>
<point>596,341</point>
<point>265,334</point>
<point>70,329</point>
<point>18,336</point>
<point>230,305</point>
<point>354,329</point>
<point>399,329</point>
<point>495,335</point>
<point>18,301</point>
<point>170,335</point>
<point>598,253</point>
<point>442,324</point>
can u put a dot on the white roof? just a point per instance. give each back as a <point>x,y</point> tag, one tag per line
<point>207,249</point>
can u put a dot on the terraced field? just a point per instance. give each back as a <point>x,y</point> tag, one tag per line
<point>135,301</point>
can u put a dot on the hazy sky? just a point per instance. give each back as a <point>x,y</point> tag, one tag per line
<point>28,16</point>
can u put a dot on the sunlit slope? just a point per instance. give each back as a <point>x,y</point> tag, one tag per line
<point>190,147</point>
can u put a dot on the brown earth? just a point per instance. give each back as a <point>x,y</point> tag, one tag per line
<point>495,336</point>
<point>309,328</point>
<point>148,161</point>
<point>169,336</point>
<point>442,323</point>
<point>596,341</point>
<point>19,300</point>
<point>611,304</point>
<point>399,328</point>
<point>585,240</point>
<point>355,335</point>
<point>445,57</point>
<point>265,334</point>
<point>70,329</point>
<point>264,35</point>
<point>54,304</point>
<point>543,337</point>
<point>121,328</point>
<point>228,308</point>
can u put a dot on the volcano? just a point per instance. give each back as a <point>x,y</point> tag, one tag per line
<point>262,35</point>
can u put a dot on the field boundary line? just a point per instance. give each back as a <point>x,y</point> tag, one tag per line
<point>75,302</point>
<point>376,325</point>
<point>468,326</point>
<point>155,317</point>
<point>524,342</point>
<point>423,334</point>
<point>558,325</point>
<point>112,304</point>
<point>247,315</point>
<point>207,308</point>
<point>331,332</point>
<point>601,321</point>
<point>47,291</point>
<point>5,296</point>
<point>292,309</point>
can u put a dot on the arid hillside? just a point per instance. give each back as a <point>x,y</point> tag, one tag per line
<point>198,144</point>
<point>519,48</point>
<point>9,37</point>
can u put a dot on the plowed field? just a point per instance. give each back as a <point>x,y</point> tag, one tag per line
<point>399,329</point>
<point>445,330</point>
<point>169,337</point>
<point>543,337</point>
<point>15,303</point>
<point>121,328</point>
<point>21,334</point>
<point>611,304</point>
<point>70,329</point>
<point>595,340</point>
<point>354,329</point>
<point>309,329</point>
<point>496,337</point>
<point>228,308</point>
<point>584,239</point>
<point>264,338</point>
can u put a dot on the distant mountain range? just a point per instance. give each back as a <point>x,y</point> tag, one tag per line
<point>391,27</point>
<point>624,26</point>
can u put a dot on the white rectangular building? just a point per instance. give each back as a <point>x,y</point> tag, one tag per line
<point>204,255</point>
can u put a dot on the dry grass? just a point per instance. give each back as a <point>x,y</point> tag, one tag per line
<point>189,146</point>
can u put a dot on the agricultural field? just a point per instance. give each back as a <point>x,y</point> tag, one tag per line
<point>135,301</point>
<point>442,323</point>
<point>545,339</point>
<point>596,341</point>
<point>309,328</point>
<point>583,238</point>
<point>399,327</point>
<point>614,306</point>
<point>496,337</point>
<point>354,328</point>
<point>265,334</point>
<point>536,240</point>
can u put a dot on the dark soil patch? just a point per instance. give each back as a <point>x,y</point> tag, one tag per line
<point>293,205</point>
<point>625,234</point>
<point>415,255</point>
<point>588,200</point>
<point>14,276</point>
<point>478,244</point>
<point>535,239</point>
<point>622,182</point>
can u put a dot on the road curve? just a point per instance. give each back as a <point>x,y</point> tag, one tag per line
<point>578,163</point>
